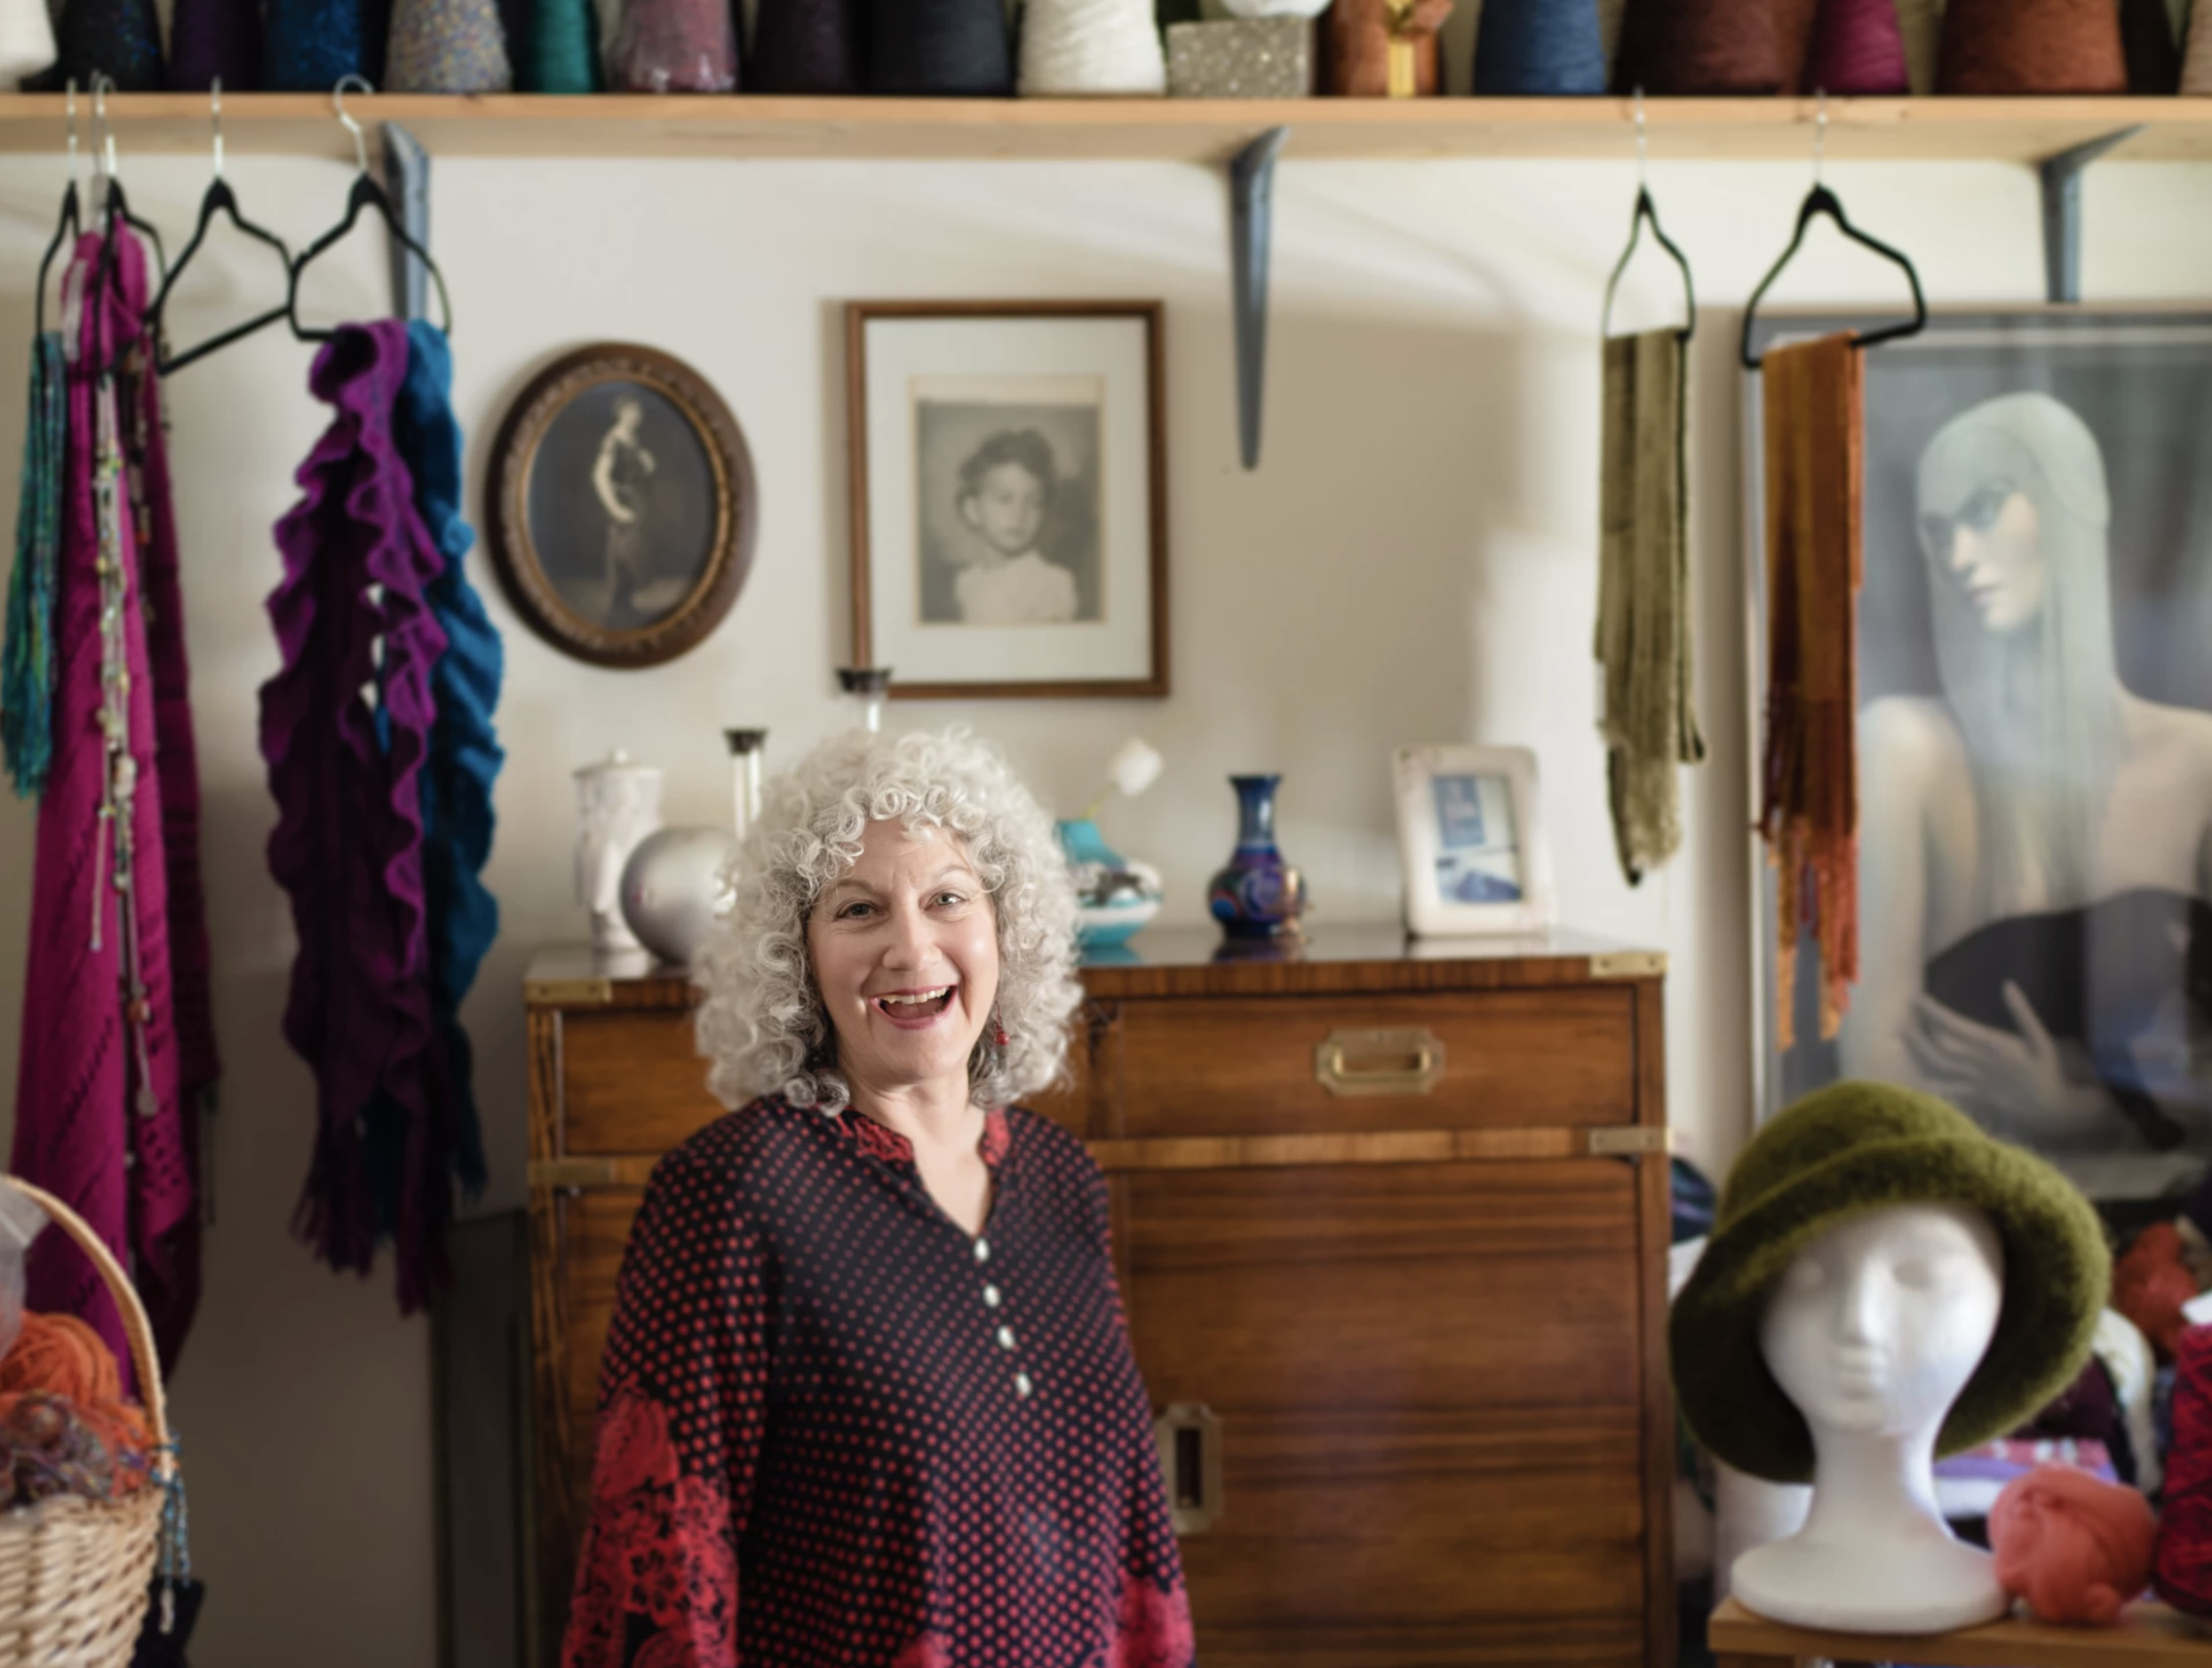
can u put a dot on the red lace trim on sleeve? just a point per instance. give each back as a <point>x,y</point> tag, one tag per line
<point>659,1551</point>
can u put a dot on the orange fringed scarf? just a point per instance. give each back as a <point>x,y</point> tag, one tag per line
<point>1809,800</point>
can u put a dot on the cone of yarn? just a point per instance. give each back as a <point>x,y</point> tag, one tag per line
<point>945,48</point>
<point>2077,1548</point>
<point>2146,39</point>
<point>2196,57</point>
<point>1793,38</point>
<point>1538,48</point>
<point>2181,1564</point>
<point>447,46</point>
<point>213,39</point>
<point>118,38</point>
<point>1920,23</point>
<point>1713,48</point>
<point>307,45</point>
<point>563,56</point>
<point>27,40</point>
<point>2151,1282</point>
<point>809,46</point>
<point>1858,50</point>
<point>1380,49</point>
<point>1091,48</point>
<point>675,46</point>
<point>61,1353</point>
<point>1996,48</point>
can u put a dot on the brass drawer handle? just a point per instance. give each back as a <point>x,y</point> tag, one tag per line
<point>1407,1060</point>
<point>1189,1436</point>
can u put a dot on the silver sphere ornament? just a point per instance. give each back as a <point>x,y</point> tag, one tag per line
<point>674,886</point>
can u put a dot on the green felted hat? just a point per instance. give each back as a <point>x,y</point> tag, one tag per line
<point>1846,1150</point>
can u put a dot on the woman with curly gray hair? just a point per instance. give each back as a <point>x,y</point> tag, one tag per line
<point>868,1396</point>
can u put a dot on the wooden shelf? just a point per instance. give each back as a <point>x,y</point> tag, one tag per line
<point>1201,130</point>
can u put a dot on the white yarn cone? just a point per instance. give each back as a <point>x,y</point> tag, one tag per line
<point>1920,23</point>
<point>27,40</point>
<point>1098,47</point>
<point>2196,60</point>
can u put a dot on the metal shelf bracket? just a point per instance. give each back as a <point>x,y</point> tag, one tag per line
<point>407,177</point>
<point>2061,178</point>
<point>1251,191</point>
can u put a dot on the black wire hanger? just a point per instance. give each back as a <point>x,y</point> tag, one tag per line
<point>66,229</point>
<point>219,198</point>
<point>366,194</point>
<point>114,205</point>
<point>1820,200</point>
<point>1647,212</point>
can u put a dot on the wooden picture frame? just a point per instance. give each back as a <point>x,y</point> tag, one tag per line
<point>1471,841</point>
<point>2034,855</point>
<point>622,505</point>
<point>1009,497</point>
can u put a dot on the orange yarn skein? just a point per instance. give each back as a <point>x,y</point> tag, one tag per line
<point>61,1353</point>
<point>2077,1548</point>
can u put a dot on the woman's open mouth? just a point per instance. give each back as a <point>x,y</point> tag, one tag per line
<point>915,1010</point>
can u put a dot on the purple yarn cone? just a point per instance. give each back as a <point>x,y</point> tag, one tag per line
<point>209,39</point>
<point>817,46</point>
<point>1857,49</point>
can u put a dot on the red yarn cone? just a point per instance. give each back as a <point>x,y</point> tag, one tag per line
<point>1691,47</point>
<point>1793,38</point>
<point>2032,47</point>
<point>1858,48</point>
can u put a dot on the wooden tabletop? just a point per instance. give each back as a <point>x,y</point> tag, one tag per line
<point>2150,1636</point>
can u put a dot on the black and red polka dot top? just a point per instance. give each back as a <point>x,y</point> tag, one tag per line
<point>836,1431</point>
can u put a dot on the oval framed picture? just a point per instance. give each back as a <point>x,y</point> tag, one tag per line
<point>622,505</point>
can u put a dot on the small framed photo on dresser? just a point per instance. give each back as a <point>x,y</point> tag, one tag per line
<point>1009,497</point>
<point>1471,841</point>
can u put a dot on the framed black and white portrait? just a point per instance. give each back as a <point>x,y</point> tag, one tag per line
<point>1008,497</point>
<point>622,505</point>
<point>1471,841</point>
<point>2035,739</point>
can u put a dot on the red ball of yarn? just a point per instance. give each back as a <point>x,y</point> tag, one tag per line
<point>2077,1548</point>
<point>2150,1284</point>
<point>61,1353</point>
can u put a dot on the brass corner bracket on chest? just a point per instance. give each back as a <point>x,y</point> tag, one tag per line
<point>1629,964</point>
<point>1630,1140</point>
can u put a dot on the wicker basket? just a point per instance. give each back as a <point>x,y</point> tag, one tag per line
<point>73,1572</point>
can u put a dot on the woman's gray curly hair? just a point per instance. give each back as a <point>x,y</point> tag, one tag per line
<point>763,1024</point>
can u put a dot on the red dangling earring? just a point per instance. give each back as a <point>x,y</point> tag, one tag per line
<point>998,1032</point>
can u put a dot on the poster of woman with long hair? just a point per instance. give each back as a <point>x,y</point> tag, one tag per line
<point>2035,739</point>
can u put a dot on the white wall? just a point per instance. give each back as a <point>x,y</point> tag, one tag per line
<point>1416,560</point>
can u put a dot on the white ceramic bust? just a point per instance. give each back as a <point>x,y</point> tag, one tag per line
<point>618,804</point>
<point>1873,1332</point>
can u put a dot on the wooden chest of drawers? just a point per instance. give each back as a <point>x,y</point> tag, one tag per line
<point>1391,1223</point>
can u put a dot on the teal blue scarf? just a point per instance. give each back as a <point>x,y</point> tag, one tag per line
<point>27,663</point>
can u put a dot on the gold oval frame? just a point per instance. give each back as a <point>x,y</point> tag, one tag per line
<point>736,506</point>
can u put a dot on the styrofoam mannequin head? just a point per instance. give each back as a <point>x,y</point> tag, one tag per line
<point>1878,1322</point>
<point>1872,1332</point>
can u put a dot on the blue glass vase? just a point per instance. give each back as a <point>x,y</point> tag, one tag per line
<point>1258,896</point>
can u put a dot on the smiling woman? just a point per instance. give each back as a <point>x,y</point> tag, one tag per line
<point>911,1272</point>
